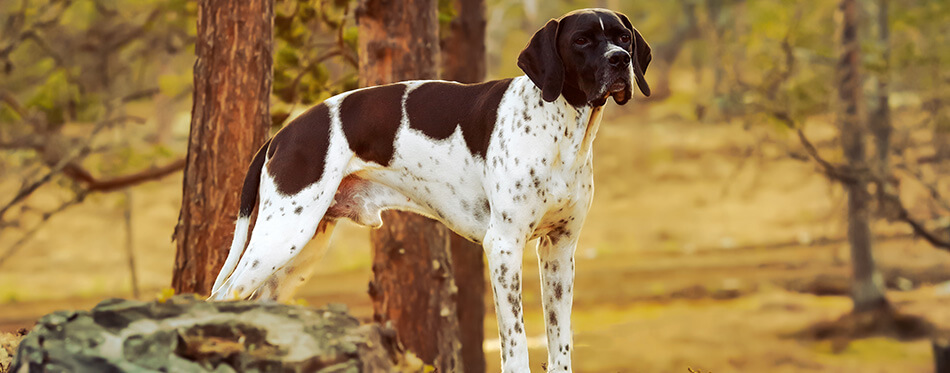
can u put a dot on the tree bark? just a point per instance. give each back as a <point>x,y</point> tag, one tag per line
<point>399,40</point>
<point>881,119</point>
<point>413,286</point>
<point>464,60</point>
<point>229,122</point>
<point>867,290</point>
<point>941,351</point>
<point>463,49</point>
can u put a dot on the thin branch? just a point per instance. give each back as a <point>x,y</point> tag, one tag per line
<point>845,174</point>
<point>12,102</point>
<point>18,144</point>
<point>74,154</point>
<point>840,173</point>
<point>931,188</point>
<point>76,172</point>
<point>918,227</point>
<point>129,244</point>
<point>139,95</point>
<point>45,218</point>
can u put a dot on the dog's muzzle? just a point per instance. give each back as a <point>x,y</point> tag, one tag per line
<point>617,80</point>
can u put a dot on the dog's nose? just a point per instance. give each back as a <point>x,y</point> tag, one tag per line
<point>619,59</point>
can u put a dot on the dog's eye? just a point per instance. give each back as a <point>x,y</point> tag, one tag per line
<point>581,41</point>
<point>624,39</point>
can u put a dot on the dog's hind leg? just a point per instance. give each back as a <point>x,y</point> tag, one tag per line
<point>306,161</point>
<point>285,223</point>
<point>282,285</point>
<point>249,191</point>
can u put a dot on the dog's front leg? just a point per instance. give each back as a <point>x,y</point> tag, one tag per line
<point>556,261</point>
<point>504,262</point>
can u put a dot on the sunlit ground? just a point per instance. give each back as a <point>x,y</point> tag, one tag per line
<point>703,248</point>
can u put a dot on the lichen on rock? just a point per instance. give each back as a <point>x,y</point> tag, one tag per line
<point>183,334</point>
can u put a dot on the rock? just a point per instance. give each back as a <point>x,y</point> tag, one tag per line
<point>183,334</point>
<point>8,345</point>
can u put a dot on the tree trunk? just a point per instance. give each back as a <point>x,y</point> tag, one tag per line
<point>463,49</point>
<point>941,117</point>
<point>399,40</point>
<point>666,53</point>
<point>229,122</point>
<point>413,286</point>
<point>941,351</point>
<point>881,119</point>
<point>867,292</point>
<point>464,60</point>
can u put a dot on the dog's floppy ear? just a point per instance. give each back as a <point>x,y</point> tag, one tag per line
<point>642,55</point>
<point>542,63</point>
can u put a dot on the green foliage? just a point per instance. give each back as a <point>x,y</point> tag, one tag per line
<point>447,13</point>
<point>314,53</point>
<point>66,58</point>
<point>74,69</point>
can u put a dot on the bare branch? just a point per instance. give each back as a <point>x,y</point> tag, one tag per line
<point>19,144</point>
<point>139,95</point>
<point>931,188</point>
<point>45,218</point>
<point>12,102</point>
<point>918,227</point>
<point>76,172</point>
<point>55,169</point>
<point>845,175</point>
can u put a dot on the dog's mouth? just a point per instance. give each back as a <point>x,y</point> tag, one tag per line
<point>618,86</point>
<point>620,90</point>
<point>615,86</point>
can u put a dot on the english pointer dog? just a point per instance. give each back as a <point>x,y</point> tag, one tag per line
<point>499,163</point>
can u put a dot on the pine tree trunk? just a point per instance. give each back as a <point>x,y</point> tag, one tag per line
<point>867,290</point>
<point>229,122</point>
<point>464,60</point>
<point>413,286</point>
<point>463,49</point>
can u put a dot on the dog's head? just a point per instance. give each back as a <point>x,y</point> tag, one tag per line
<point>587,55</point>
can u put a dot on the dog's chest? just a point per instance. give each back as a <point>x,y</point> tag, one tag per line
<point>539,161</point>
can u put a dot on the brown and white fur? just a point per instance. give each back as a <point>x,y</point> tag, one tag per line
<point>499,163</point>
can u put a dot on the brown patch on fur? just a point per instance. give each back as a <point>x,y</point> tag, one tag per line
<point>252,182</point>
<point>298,152</point>
<point>370,119</point>
<point>438,108</point>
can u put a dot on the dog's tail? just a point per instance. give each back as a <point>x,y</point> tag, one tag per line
<point>252,182</point>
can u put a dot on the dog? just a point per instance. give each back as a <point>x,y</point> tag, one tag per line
<point>500,163</point>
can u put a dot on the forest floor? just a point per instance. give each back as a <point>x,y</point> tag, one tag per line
<point>707,247</point>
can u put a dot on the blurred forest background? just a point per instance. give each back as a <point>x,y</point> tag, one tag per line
<point>718,238</point>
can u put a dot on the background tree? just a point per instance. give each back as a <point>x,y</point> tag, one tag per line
<point>229,122</point>
<point>880,120</point>
<point>867,292</point>
<point>464,60</point>
<point>413,286</point>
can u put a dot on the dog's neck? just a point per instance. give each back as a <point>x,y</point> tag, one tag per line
<point>578,132</point>
<point>576,125</point>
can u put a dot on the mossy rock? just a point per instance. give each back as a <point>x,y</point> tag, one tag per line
<point>184,334</point>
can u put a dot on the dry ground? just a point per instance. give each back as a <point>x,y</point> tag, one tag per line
<point>707,247</point>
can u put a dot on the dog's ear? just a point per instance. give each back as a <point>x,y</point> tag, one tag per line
<point>642,55</point>
<point>542,63</point>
